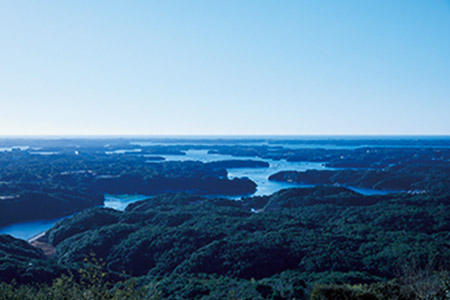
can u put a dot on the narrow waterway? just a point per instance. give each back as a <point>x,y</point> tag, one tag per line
<point>27,230</point>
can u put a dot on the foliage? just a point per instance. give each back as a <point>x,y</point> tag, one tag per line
<point>327,241</point>
<point>89,284</point>
<point>312,235</point>
<point>45,187</point>
<point>432,287</point>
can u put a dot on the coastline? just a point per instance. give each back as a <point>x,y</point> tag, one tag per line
<point>40,241</point>
<point>36,237</point>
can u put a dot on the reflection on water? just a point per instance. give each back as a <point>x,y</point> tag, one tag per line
<point>203,156</point>
<point>260,176</point>
<point>27,230</point>
<point>9,149</point>
<point>123,151</point>
<point>120,202</point>
<point>44,153</point>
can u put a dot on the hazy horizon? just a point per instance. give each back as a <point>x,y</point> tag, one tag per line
<point>256,137</point>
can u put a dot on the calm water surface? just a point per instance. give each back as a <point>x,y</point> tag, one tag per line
<point>27,230</point>
<point>260,176</point>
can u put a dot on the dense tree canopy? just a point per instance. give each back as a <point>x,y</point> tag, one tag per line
<point>322,242</point>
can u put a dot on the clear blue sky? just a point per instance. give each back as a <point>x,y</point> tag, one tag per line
<point>225,67</point>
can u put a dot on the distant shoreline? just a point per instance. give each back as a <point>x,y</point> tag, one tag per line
<point>226,136</point>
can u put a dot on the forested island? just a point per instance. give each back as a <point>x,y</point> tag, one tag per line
<point>203,235</point>
<point>414,178</point>
<point>50,186</point>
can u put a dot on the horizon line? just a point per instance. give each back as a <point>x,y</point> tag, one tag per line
<point>184,136</point>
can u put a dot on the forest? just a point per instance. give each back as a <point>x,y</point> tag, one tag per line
<point>39,186</point>
<point>193,246</point>
<point>325,241</point>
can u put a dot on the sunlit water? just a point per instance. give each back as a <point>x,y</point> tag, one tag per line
<point>44,153</point>
<point>27,230</point>
<point>260,176</point>
<point>120,202</point>
<point>9,149</point>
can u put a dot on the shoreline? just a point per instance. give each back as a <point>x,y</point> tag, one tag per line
<point>36,237</point>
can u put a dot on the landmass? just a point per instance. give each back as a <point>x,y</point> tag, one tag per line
<point>186,241</point>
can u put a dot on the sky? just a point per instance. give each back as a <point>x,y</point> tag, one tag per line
<point>224,67</point>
